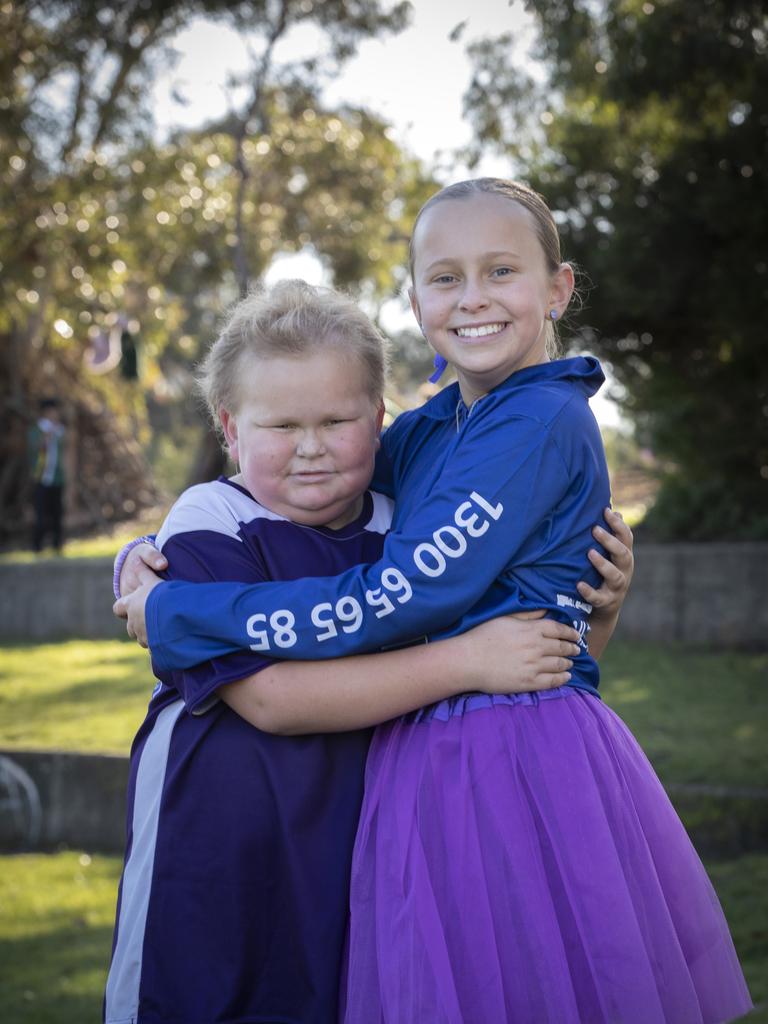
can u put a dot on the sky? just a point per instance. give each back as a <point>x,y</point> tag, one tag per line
<point>415,80</point>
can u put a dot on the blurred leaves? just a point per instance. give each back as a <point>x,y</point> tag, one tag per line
<point>105,227</point>
<point>648,137</point>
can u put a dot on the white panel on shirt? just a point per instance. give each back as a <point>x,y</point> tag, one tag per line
<point>221,508</point>
<point>383,510</point>
<point>216,507</point>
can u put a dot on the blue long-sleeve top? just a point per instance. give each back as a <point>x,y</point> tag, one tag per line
<point>494,510</point>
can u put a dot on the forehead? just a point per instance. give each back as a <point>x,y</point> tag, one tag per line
<point>323,376</point>
<point>476,224</point>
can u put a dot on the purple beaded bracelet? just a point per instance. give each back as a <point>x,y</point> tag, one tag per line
<point>121,556</point>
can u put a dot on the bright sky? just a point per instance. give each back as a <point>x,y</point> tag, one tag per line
<point>415,80</point>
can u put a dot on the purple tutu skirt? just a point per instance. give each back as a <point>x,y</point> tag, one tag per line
<point>518,860</point>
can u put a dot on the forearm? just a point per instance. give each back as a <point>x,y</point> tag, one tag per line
<point>436,567</point>
<point>350,693</point>
<point>601,629</point>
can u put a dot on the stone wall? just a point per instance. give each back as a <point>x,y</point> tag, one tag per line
<point>713,595</point>
<point>53,799</point>
<point>704,595</point>
<point>56,598</point>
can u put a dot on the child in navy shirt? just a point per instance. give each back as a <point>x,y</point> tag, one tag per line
<point>233,901</point>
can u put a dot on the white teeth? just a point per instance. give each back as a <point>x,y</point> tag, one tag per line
<point>479,332</point>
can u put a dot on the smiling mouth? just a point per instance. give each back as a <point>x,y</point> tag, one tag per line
<point>481,331</point>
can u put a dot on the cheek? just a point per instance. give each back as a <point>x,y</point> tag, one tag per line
<point>357,452</point>
<point>267,460</point>
<point>433,309</point>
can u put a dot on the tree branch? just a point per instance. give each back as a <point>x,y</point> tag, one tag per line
<point>254,111</point>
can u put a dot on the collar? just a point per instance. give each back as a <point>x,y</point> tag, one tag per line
<point>582,372</point>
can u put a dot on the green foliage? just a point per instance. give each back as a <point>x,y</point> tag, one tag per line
<point>104,230</point>
<point>651,142</point>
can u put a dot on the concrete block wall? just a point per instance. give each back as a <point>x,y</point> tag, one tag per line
<point>703,595</point>
<point>53,599</point>
<point>52,799</point>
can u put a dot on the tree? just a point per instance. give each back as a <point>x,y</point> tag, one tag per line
<point>104,232</point>
<point>649,137</point>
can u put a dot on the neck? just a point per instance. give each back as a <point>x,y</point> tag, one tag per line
<point>474,386</point>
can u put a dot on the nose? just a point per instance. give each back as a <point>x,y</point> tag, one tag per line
<point>310,444</point>
<point>473,296</point>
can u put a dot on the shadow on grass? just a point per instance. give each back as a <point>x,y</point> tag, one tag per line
<point>76,695</point>
<point>56,977</point>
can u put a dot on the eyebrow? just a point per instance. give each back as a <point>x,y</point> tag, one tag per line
<point>448,260</point>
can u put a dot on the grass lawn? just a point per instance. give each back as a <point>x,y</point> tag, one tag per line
<point>102,545</point>
<point>80,695</point>
<point>699,717</point>
<point>56,918</point>
<point>56,915</point>
<point>87,547</point>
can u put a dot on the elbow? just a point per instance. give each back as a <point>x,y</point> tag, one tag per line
<point>272,721</point>
<point>268,710</point>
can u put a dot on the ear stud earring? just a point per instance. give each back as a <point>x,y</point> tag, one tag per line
<point>553,314</point>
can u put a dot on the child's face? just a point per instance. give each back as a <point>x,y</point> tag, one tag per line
<point>305,435</point>
<point>482,291</point>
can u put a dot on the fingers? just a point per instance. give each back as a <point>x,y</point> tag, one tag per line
<point>152,558</point>
<point>590,595</point>
<point>616,522</point>
<point>608,569</point>
<point>551,682</point>
<point>554,630</point>
<point>621,555</point>
<point>608,593</point>
<point>554,672</point>
<point>119,609</point>
<point>144,574</point>
<point>555,665</point>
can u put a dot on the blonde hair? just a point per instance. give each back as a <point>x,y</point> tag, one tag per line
<point>292,319</point>
<point>535,204</point>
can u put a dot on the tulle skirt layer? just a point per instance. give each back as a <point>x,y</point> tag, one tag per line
<point>518,861</point>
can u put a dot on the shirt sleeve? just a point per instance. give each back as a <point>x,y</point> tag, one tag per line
<point>202,556</point>
<point>497,487</point>
<point>383,471</point>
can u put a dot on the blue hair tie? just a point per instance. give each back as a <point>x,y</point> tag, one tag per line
<point>440,365</point>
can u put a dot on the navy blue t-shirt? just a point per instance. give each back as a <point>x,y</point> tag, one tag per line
<point>234,895</point>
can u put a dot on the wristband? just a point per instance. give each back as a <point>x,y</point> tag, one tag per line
<point>121,556</point>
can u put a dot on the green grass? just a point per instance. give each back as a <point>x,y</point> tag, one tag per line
<point>82,695</point>
<point>102,545</point>
<point>56,916</point>
<point>701,718</point>
<point>56,919</point>
<point>87,547</point>
<point>742,886</point>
